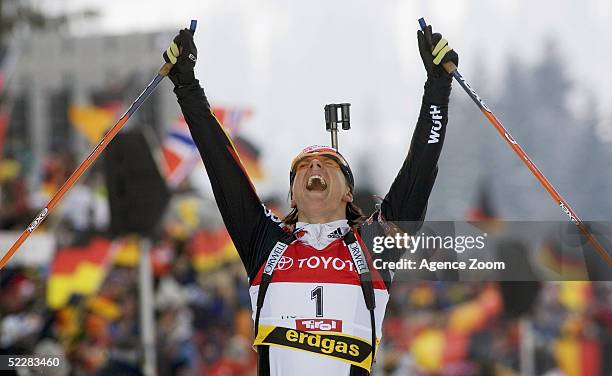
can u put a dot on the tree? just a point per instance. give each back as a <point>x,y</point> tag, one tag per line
<point>533,107</point>
<point>589,171</point>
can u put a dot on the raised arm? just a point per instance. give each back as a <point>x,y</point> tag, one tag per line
<point>246,219</point>
<point>407,198</point>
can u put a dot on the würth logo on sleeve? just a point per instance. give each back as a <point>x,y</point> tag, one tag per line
<point>436,119</point>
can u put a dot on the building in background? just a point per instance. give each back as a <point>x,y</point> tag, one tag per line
<point>55,74</point>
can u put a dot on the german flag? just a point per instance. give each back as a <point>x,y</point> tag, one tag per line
<point>249,156</point>
<point>433,348</point>
<point>127,252</point>
<point>473,315</point>
<point>91,121</point>
<point>575,296</point>
<point>566,261</point>
<point>232,119</point>
<point>483,213</point>
<point>209,249</point>
<point>77,270</point>
<point>578,356</point>
<point>483,208</point>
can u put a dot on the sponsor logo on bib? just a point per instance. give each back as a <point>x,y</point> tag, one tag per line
<point>343,347</point>
<point>318,325</point>
<point>284,263</point>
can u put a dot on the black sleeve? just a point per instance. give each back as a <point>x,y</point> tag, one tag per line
<point>252,227</point>
<point>408,195</point>
<point>407,198</point>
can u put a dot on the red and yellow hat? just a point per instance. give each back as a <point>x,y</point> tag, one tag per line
<point>327,152</point>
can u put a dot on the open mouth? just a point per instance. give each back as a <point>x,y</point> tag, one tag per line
<point>316,183</point>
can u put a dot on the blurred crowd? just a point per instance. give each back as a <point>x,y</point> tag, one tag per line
<point>202,308</point>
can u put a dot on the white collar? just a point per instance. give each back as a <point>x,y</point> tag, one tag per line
<point>320,235</point>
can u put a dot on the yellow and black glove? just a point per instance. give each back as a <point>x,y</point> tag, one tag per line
<point>183,53</point>
<point>435,51</point>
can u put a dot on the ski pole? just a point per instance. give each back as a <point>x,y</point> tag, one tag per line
<point>106,139</point>
<point>452,70</point>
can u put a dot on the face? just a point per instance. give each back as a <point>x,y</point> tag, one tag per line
<point>320,185</point>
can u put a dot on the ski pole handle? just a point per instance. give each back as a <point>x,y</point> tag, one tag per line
<point>449,66</point>
<point>165,69</point>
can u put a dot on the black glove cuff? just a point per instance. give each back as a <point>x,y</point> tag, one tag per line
<point>438,89</point>
<point>182,78</point>
<point>184,90</point>
<point>191,90</point>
